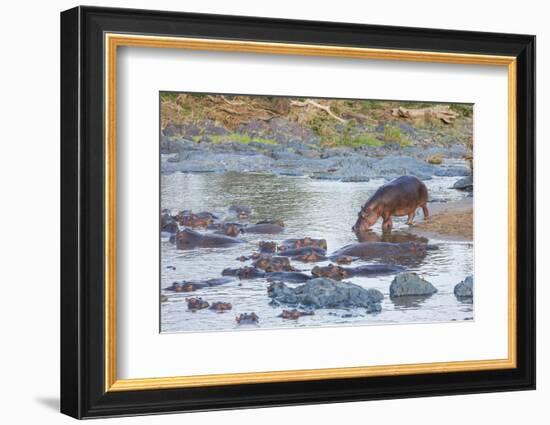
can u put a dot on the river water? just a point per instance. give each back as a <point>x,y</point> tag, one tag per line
<point>316,208</point>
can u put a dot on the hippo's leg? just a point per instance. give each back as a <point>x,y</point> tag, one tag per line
<point>387,224</point>
<point>426,212</point>
<point>410,218</point>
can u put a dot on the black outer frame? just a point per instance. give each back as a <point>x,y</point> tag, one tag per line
<point>82,219</point>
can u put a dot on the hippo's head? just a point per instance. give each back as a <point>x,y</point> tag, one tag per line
<point>186,238</point>
<point>232,229</point>
<point>366,219</point>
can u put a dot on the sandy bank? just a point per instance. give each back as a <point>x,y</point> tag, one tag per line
<point>449,221</point>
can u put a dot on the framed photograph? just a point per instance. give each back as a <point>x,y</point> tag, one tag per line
<point>261,212</point>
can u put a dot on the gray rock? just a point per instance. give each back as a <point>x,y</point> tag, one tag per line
<point>452,171</point>
<point>465,183</point>
<point>325,176</point>
<point>212,129</point>
<point>170,130</point>
<point>174,158</point>
<point>465,289</point>
<point>356,179</point>
<point>326,293</point>
<point>407,284</point>
<point>170,145</point>
<point>403,165</point>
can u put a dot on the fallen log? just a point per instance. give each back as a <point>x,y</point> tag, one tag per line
<point>444,113</point>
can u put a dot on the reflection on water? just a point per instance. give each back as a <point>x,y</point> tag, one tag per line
<point>409,302</point>
<point>315,208</point>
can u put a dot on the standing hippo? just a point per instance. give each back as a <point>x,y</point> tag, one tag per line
<point>399,197</point>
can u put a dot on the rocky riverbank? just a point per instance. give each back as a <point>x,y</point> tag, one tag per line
<point>297,159</point>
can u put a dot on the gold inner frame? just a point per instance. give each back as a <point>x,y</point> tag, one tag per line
<point>113,41</point>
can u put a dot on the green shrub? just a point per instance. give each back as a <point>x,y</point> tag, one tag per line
<point>393,134</point>
<point>241,138</point>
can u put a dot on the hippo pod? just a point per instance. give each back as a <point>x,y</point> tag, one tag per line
<point>189,239</point>
<point>338,273</point>
<point>268,228</point>
<point>379,250</point>
<point>400,197</point>
<point>302,243</point>
<point>190,286</point>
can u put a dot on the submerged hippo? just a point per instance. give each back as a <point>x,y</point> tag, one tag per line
<point>221,306</point>
<point>167,222</point>
<point>244,272</point>
<point>229,229</point>
<point>188,219</point>
<point>378,250</point>
<point>196,304</point>
<point>190,286</point>
<point>291,277</point>
<point>241,211</point>
<point>247,318</point>
<point>399,197</point>
<point>273,264</point>
<point>344,259</point>
<point>302,243</point>
<point>295,314</point>
<point>267,246</point>
<point>189,239</point>
<point>310,257</point>
<point>307,250</point>
<point>170,227</point>
<point>338,273</point>
<point>270,228</point>
<point>396,236</point>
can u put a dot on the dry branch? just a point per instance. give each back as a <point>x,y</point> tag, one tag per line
<point>310,102</point>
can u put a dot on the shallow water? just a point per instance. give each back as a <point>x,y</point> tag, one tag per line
<point>315,208</point>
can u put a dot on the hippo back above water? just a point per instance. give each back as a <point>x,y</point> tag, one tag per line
<point>189,239</point>
<point>399,197</point>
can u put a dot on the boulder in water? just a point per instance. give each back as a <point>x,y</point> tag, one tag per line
<point>326,293</point>
<point>465,183</point>
<point>465,289</point>
<point>410,284</point>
